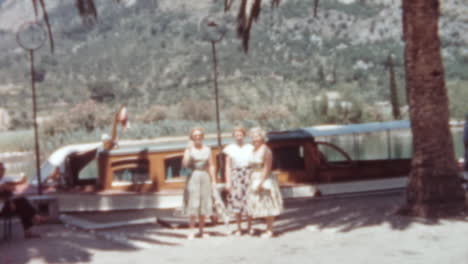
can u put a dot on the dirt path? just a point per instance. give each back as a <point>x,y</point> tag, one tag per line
<point>352,230</point>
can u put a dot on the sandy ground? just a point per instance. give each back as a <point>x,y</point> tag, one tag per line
<point>341,230</point>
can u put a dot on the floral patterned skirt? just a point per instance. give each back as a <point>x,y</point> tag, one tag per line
<point>237,199</point>
<point>266,202</point>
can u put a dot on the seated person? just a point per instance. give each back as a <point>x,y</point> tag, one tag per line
<point>17,205</point>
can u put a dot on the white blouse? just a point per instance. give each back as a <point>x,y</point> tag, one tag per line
<point>240,155</point>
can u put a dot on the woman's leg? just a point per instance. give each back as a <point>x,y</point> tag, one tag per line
<point>191,227</point>
<point>269,222</point>
<point>239,222</point>
<point>201,224</point>
<point>249,225</point>
<point>269,230</point>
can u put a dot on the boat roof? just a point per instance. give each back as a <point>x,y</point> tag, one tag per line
<point>165,146</point>
<point>302,133</point>
<point>336,130</point>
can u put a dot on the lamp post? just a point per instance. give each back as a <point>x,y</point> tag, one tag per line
<point>213,29</point>
<point>31,36</point>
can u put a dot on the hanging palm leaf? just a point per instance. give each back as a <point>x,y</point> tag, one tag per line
<point>275,3</point>
<point>249,12</point>
<point>316,2</point>
<point>46,20</point>
<point>49,30</point>
<point>87,11</point>
<point>35,7</point>
<point>227,5</point>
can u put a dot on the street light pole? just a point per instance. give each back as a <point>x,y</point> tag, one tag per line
<point>215,77</point>
<point>36,137</point>
<point>213,30</point>
<point>31,36</point>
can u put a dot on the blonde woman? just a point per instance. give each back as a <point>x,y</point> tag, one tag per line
<point>197,194</point>
<point>237,175</point>
<point>264,199</point>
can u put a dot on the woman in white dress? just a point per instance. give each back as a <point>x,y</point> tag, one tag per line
<point>238,155</point>
<point>264,198</point>
<point>197,194</point>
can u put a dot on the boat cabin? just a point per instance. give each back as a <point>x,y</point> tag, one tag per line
<point>299,158</point>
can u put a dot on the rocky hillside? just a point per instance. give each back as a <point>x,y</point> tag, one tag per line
<point>148,52</point>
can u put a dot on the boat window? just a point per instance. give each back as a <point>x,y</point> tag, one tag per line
<point>174,170</point>
<point>289,157</point>
<point>138,175</point>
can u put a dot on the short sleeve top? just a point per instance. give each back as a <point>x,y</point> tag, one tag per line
<point>240,155</point>
<point>200,157</point>
<point>257,159</point>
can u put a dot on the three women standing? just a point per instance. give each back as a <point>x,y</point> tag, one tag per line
<point>253,189</point>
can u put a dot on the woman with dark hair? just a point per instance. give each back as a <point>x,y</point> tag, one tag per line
<point>17,205</point>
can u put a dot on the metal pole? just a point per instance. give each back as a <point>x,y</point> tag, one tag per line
<point>36,140</point>
<point>389,145</point>
<point>218,129</point>
<point>355,147</point>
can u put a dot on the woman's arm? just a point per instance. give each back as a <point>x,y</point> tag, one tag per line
<point>228,172</point>
<point>267,163</point>
<point>186,158</point>
<point>211,168</point>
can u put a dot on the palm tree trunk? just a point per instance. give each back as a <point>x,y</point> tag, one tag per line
<point>434,188</point>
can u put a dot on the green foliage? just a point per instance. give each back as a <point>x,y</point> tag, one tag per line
<point>196,110</point>
<point>18,140</point>
<point>87,116</point>
<point>357,8</point>
<point>154,114</point>
<point>101,91</point>
<point>458,94</point>
<point>147,57</point>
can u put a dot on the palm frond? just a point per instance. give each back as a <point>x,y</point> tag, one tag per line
<point>248,12</point>
<point>275,3</point>
<point>46,20</point>
<point>35,7</point>
<point>227,5</point>
<point>87,11</point>
<point>316,2</point>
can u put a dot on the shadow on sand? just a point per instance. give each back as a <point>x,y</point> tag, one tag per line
<point>345,214</point>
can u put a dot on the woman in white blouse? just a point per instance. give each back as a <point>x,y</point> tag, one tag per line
<point>238,155</point>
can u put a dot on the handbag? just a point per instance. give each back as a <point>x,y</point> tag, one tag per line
<point>267,184</point>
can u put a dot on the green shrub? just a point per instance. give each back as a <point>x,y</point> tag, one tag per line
<point>196,110</point>
<point>153,114</point>
<point>87,116</point>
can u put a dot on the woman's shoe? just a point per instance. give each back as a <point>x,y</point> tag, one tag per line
<point>267,234</point>
<point>191,236</point>
<point>236,233</point>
